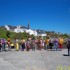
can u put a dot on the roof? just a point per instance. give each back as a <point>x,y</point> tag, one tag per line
<point>12,27</point>
<point>41,31</point>
<point>23,27</point>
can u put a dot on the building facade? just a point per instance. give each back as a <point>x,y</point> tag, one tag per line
<point>19,28</point>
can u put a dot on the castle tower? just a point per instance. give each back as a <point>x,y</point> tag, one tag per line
<point>28,24</point>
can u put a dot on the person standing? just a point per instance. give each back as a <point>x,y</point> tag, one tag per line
<point>33,45</point>
<point>39,44</point>
<point>68,47</point>
<point>23,45</point>
<point>51,44</point>
<point>60,43</point>
<point>47,43</point>
<point>56,44</point>
<point>0,46</point>
<point>27,45</point>
<point>3,45</point>
<point>17,46</point>
<point>9,45</point>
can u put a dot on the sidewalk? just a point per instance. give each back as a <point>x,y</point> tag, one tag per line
<point>33,60</point>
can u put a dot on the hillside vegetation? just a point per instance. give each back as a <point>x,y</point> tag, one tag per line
<point>13,35</point>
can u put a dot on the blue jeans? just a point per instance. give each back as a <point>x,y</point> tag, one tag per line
<point>55,47</point>
<point>3,47</point>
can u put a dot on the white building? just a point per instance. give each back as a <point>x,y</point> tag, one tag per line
<point>30,31</point>
<point>41,33</point>
<point>19,28</point>
<point>7,27</point>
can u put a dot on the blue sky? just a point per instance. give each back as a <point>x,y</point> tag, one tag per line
<point>50,15</point>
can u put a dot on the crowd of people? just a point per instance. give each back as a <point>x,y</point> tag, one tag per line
<point>55,44</point>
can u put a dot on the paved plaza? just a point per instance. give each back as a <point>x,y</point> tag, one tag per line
<point>34,60</point>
